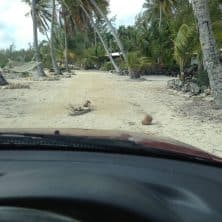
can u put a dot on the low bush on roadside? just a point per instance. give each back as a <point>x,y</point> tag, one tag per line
<point>89,63</point>
<point>25,75</point>
<point>202,79</point>
<point>107,66</point>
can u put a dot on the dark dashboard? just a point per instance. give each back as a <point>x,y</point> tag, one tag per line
<point>90,186</point>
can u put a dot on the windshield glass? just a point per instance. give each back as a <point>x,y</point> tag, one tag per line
<point>145,66</point>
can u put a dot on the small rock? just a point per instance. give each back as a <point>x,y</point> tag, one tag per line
<point>188,95</point>
<point>194,88</point>
<point>186,87</point>
<point>202,95</point>
<point>203,88</point>
<point>171,84</point>
<point>209,98</point>
<point>207,92</point>
<point>197,98</point>
<point>178,84</point>
<point>175,84</point>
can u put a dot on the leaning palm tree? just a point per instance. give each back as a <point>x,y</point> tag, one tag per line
<point>211,55</point>
<point>114,32</point>
<point>102,40</point>
<point>80,14</point>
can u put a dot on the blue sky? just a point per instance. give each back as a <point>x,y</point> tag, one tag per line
<point>16,28</point>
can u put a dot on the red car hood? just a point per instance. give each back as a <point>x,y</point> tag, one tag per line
<point>149,141</point>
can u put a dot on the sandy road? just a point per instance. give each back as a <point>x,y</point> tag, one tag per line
<point>119,103</point>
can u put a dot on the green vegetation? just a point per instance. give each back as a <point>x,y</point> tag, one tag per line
<point>163,40</point>
<point>202,79</point>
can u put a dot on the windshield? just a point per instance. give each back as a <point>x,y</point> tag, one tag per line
<point>145,66</point>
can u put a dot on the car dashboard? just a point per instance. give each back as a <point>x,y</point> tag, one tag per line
<point>91,186</point>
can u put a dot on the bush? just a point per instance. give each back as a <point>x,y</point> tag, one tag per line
<point>123,66</point>
<point>107,66</point>
<point>25,74</point>
<point>133,60</point>
<point>202,79</point>
<point>150,69</point>
<point>89,63</point>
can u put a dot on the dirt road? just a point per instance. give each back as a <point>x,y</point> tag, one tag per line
<point>119,103</point>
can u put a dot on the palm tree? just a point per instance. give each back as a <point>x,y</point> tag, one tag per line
<point>40,72</point>
<point>36,11</point>
<point>211,55</point>
<point>63,21</point>
<point>185,44</point>
<point>52,42</point>
<point>153,14</point>
<point>114,32</point>
<point>80,14</point>
<point>45,15</point>
<point>158,8</point>
<point>71,19</point>
<point>66,46</point>
<point>102,40</point>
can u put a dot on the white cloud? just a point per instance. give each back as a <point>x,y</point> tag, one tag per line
<point>14,25</point>
<point>125,10</point>
<point>16,28</point>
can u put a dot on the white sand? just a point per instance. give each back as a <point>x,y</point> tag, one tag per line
<point>119,103</point>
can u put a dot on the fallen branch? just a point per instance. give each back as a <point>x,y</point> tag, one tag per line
<point>76,111</point>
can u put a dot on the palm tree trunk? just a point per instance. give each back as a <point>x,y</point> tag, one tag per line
<point>40,72</point>
<point>161,15</point>
<point>211,56</point>
<point>52,51</point>
<point>64,12</point>
<point>107,52</point>
<point>113,30</point>
<point>95,45</point>
<point>181,76</point>
<point>95,38</point>
<point>102,40</point>
<point>159,59</point>
<point>66,49</point>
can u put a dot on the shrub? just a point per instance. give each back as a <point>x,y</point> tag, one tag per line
<point>123,66</point>
<point>202,79</point>
<point>133,60</point>
<point>25,74</point>
<point>107,66</point>
<point>89,63</point>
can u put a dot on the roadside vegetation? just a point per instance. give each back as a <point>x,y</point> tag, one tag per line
<point>168,37</point>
